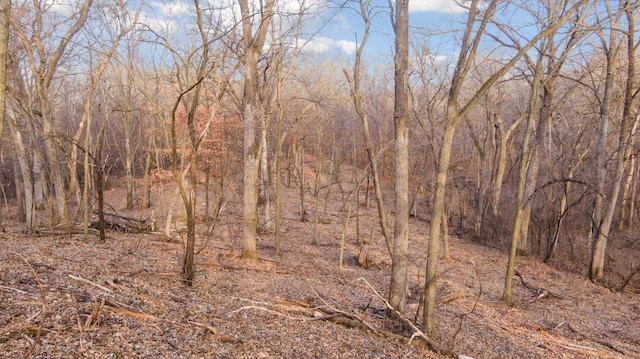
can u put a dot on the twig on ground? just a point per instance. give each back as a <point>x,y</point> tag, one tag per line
<point>17,291</point>
<point>629,278</point>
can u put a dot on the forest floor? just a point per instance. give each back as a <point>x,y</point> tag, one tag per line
<point>64,295</point>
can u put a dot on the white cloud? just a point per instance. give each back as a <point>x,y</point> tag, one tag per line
<point>446,6</point>
<point>348,47</point>
<point>296,6</point>
<point>161,26</point>
<point>321,44</point>
<point>172,8</point>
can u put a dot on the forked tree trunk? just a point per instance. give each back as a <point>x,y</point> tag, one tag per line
<point>503,135</point>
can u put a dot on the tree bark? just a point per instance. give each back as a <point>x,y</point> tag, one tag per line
<point>264,202</point>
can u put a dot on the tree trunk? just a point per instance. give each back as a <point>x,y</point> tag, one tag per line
<point>603,216</point>
<point>279,141</point>
<point>252,114</point>
<point>525,159</point>
<point>399,260</point>
<point>602,235</point>
<point>38,181</point>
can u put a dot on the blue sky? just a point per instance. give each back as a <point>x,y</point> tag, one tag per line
<point>347,26</point>
<point>329,30</point>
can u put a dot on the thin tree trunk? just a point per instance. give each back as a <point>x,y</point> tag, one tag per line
<point>357,101</point>
<point>299,158</point>
<point>146,198</point>
<point>543,127</point>
<point>20,188</point>
<point>602,235</point>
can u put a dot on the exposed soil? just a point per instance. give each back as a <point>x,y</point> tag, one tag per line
<point>66,296</point>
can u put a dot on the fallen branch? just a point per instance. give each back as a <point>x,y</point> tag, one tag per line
<point>431,344</point>
<point>541,293</point>
<point>90,282</point>
<point>111,304</point>
<point>270,311</point>
<point>131,313</point>
<point>17,291</point>
<point>450,297</point>
<point>209,328</point>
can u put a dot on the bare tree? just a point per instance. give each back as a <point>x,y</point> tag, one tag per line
<point>121,30</point>
<point>43,64</point>
<point>455,112</point>
<point>365,10</point>
<point>605,204</point>
<point>541,110</point>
